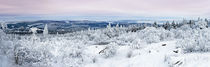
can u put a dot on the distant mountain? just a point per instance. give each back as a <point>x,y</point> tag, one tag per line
<point>66,26</point>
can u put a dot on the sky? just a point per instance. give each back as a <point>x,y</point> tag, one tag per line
<point>106,7</point>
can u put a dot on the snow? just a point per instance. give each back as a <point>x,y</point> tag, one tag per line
<point>196,60</point>
<point>109,47</point>
<point>150,56</point>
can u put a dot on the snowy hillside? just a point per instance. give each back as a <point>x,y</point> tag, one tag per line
<point>61,26</point>
<point>175,44</point>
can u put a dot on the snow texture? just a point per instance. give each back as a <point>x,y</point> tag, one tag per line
<point>167,46</point>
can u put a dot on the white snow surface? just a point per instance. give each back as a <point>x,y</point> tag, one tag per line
<point>150,56</point>
<point>110,47</point>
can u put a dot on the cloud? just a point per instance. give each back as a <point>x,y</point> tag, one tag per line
<point>105,7</point>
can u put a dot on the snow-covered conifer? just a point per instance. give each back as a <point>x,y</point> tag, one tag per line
<point>109,25</point>
<point>3,25</point>
<point>202,24</point>
<point>34,30</point>
<point>45,31</point>
<point>117,25</point>
<point>155,24</point>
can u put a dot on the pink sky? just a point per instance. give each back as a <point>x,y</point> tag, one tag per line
<point>107,7</point>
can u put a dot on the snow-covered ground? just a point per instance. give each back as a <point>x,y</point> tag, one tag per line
<point>152,55</point>
<point>185,46</point>
<point>160,54</point>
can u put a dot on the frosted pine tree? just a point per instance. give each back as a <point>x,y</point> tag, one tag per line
<point>117,25</point>
<point>155,24</point>
<point>121,26</point>
<point>108,26</point>
<point>3,25</point>
<point>202,24</point>
<point>33,30</point>
<point>89,29</point>
<point>57,33</point>
<point>45,32</point>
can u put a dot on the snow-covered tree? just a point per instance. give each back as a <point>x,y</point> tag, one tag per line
<point>34,30</point>
<point>89,29</point>
<point>109,25</point>
<point>109,50</point>
<point>155,24</point>
<point>173,24</point>
<point>202,24</point>
<point>117,25</point>
<point>167,26</point>
<point>45,31</point>
<point>3,25</point>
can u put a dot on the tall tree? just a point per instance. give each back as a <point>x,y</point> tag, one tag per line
<point>173,24</point>
<point>155,24</point>
<point>45,32</point>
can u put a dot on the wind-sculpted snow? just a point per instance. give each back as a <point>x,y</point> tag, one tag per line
<point>111,46</point>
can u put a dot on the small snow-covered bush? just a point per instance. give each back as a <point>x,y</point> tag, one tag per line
<point>150,35</point>
<point>154,35</point>
<point>137,44</point>
<point>109,51</point>
<point>197,40</point>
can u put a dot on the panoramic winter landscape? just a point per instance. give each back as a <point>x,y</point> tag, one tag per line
<point>104,33</point>
<point>178,44</point>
